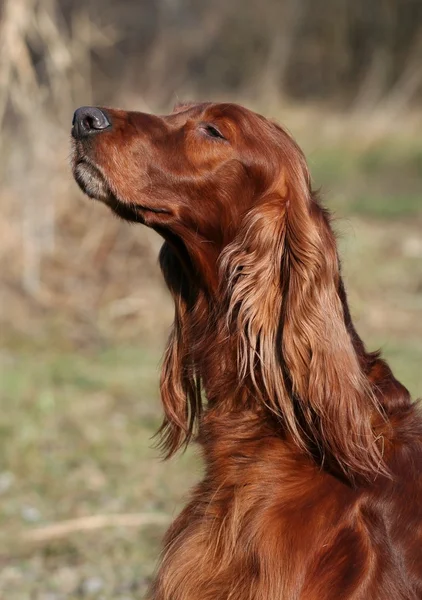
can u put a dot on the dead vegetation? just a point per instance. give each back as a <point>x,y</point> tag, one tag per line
<point>67,265</point>
<point>54,265</point>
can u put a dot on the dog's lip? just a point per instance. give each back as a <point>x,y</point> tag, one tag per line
<point>82,160</point>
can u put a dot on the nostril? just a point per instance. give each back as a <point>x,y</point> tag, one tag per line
<point>88,123</point>
<point>88,120</point>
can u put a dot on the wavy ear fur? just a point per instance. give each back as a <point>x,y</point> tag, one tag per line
<point>294,349</point>
<point>180,380</point>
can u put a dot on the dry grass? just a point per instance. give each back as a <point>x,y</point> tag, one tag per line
<point>64,277</point>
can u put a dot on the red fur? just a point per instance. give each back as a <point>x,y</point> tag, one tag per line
<point>313,450</point>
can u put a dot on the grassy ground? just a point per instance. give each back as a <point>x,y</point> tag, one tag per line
<point>76,425</point>
<point>76,441</point>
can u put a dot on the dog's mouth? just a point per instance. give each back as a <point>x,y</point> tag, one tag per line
<point>94,184</point>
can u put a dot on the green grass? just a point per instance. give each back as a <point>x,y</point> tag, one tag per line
<point>76,426</point>
<point>405,358</point>
<point>75,436</point>
<point>383,182</point>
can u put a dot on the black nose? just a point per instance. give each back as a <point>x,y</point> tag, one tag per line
<point>88,120</point>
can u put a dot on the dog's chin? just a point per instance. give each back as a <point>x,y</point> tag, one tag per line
<point>94,184</point>
<point>91,181</point>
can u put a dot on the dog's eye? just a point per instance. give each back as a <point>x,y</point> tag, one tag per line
<point>212,131</point>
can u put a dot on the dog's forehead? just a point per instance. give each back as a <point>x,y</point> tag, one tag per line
<point>189,108</point>
<point>234,113</point>
<point>220,110</point>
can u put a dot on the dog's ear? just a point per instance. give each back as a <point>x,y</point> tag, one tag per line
<point>294,347</point>
<point>180,382</point>
<point>335,397</point>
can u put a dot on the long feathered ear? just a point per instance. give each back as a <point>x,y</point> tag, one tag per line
<point>294,348</point>
<point>180,383</point>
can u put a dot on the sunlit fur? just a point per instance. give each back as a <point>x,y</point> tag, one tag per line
<point>312,487</point>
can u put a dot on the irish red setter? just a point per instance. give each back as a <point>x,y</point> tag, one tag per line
<point>313,450</point>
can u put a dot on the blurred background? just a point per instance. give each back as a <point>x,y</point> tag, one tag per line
<point>84,498</point>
